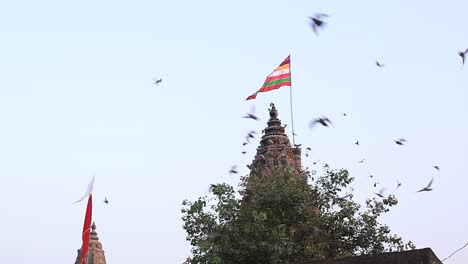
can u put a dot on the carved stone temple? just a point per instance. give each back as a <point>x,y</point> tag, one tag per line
<point>275,149</point>
<point>95,251</point>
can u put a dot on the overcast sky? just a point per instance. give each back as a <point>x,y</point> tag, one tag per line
<point>77,98</point>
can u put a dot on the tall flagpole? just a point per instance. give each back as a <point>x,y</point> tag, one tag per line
<point>291,101</point>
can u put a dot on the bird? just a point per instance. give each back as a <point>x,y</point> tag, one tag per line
<point>252,114</point>
<point>371,176</point>
<point>324,121</point>
<point>250,135</point>
<point>243,152</point>
<point>297,145</point>
<point>378,64</point>
<point>428,187</point>
<point>212,186</point>
<point>244,143</point>
<point>307,154</point>
<point>344,114</point>
<point>375,184</point>
<point>357,142</point>
<point>233,170</point>
<point>400,141</point>
<point>317,22</point>
<point>315,162</point>
<point>462,54</point>
<point>380,193</point>
<point>436,167</point>
<point>158,81</point>
<point>308,148</point>
<point>398,185</point>
<point>105,200</point>
<point>361,161</point>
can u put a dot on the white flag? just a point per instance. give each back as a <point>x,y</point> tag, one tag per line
<point>89,190</point>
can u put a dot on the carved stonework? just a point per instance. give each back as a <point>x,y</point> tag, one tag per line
<point>275,150</point>
<point>95,252</point>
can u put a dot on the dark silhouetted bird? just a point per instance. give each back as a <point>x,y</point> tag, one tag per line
<point>307,154</point>
<point>462,54</point>
<point>398,185</point>
<point>316,22</point>
<point>315,162</point>
<point>308,148</point>
<point>297,145</point>
<point>400,141</point>
<point>105,200</point>
<point>357,142</point>
<point>158,81</point>
<point>250,135</point>
<point>375,184</point>
<point>428,187</point>
<point>361,161</point>
<point>436,167</point>
<point>244,143</point>
<point>233,170</point>
<point>252,114</point>
<point>371,176</point>
<point>344,114</point>
<point>380,193</point>
<point>243,152</point>
<point>322,120</point>
<point>378,64</point>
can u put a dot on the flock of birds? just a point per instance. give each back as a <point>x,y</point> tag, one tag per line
<point>325,122</point>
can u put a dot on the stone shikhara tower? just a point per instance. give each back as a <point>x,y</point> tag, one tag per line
<point>275,150</point>
<point>95,251</point>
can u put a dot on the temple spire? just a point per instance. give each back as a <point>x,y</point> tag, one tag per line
<point>275,149</point>
<point>95,252</point>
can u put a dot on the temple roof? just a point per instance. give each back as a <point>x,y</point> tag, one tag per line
<point>95,251</point>
<point>275,148</point>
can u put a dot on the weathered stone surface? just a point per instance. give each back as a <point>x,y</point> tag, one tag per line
<point>419,256</point>
<point>275,150</point>
<point>95,251</point>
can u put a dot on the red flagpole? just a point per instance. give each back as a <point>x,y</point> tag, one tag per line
<point>86,229</point>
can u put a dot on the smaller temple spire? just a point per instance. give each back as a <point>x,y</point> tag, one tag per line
<point>95,252</point>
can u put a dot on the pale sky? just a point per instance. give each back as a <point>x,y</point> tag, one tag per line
<point>77,98</point>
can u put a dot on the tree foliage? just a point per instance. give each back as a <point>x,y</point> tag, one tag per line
<point>286,218</point>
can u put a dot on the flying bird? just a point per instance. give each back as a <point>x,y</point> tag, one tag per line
<point>380,193</point>
<point>233,170</point>
<point>375,184</point>
<point>105,200</point>
<point>400,141</point>
<point>462,54</point>
<point>308,148</point>
<point>436,167</point>
<point>250,135</point>
<point>378,64</point>
<point>357,142</point>
<point>361,161</point>
<point>158,81</point>
<point>243,152</point>
<point>371,176</point>
<point>428,187</point>
<point>316,22</point>
<point>252,114</point>
<point>297,145</point>
<point>344,114</point>
<point>244,143</point>
<point>322,120</point>
<point>398,185</point>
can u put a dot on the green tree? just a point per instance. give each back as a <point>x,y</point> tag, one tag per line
<point>286,218</point>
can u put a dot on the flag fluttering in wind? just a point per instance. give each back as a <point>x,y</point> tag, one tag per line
<point>87,221</point>
<point>281,76</point>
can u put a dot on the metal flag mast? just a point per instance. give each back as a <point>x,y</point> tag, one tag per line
<point>291,101</point>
